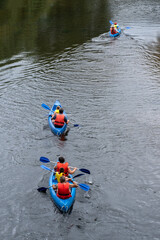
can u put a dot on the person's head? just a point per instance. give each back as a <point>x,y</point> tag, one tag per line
<point>61,170</point>
<point>115,23</point>
<point>62,179</point>
<point>58,107</point>
<point>61,110</point>
<point>61,159</point>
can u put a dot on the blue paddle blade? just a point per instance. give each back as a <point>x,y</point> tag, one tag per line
<point>78,175</point>
<point>42,189</point>
<point>84,170</point>
<point>110,22</point>
<point>76,125</point>
<point>45,106</point>
<point>46,168</point>
<point>128,27</point>
<point>84,186</point>
<point>44,159</point>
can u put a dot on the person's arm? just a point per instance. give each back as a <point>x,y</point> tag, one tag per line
<point>65,120</point>
<point>68,179</point>
<point>72,171</point>
<point>53,116</point>
<point>73,184</point>
<point>54,187</point>
<point>55,167</point>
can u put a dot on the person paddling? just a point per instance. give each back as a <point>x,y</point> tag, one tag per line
<point>116,26</point>
<point>63,188</point>
<point>59,119</point>
<point>56,111</point>
<point>59,174</point>
<point>62,164</point>
<point>113,30</point>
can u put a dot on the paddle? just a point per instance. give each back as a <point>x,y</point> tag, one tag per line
<point>84,186</point>
<point>113,23</point>
<point>46,168</point>
<point>46,160</point>
<point>45,106</point>
<point>42,189</point>
<point>78,175</point>
<point>48,108</point>
<point>81,185</point>
<point>75,125</point>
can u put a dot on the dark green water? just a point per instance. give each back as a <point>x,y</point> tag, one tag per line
<point>62,50</point>
<point>48,27</point>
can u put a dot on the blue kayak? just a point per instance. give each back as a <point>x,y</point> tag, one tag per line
<point>64,205</point>
<point>56,131</point>
<point>116,34</point>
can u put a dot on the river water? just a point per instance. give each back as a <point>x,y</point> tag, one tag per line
<point>57,49</point>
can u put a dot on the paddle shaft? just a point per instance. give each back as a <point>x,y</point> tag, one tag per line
<point>112,23</point>
<point>45,106</point>
<point>56,162</point>
<point>81,185</point>
<point>46,160</point>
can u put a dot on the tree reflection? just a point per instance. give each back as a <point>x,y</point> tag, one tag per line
<point>49,26</point>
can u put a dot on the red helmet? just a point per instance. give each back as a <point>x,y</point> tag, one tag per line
<point>115,23</point>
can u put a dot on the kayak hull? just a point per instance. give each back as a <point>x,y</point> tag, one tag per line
<point>115,35</point>
<point>56,131</point>
<point>64,205</point>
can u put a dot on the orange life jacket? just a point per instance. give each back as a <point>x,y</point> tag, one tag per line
<point>113,30</point>
<point>63,190</point>
<point>59,121</point>
<point>62,165</point>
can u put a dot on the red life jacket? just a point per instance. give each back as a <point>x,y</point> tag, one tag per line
<point>113,30</point>
<point>62,165</point>
<point>63,190</point>
<point>59,121</point>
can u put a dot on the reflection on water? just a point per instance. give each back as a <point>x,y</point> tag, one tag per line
<point>49,26</point>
